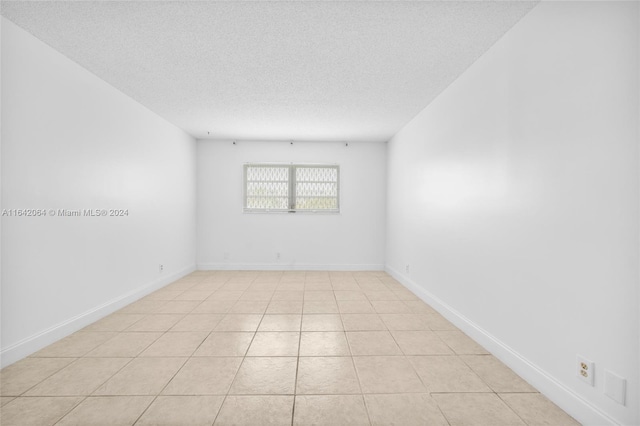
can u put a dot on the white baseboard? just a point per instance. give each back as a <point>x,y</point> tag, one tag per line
<point>288,267</point>
<point>560,394</point>
<point>31,344</point>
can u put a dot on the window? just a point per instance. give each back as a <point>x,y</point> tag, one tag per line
<point>291,188</point>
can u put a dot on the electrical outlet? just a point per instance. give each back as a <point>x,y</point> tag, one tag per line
<point>407,268</point>
<point>161,268</point>
<point>278,256</point>
<point>615,387</point>
<point>226,255</point>
<point>585,370</point>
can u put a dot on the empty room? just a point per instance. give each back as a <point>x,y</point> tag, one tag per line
<point>320,213</point>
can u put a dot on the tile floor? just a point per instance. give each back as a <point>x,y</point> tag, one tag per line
<point>271,348</point>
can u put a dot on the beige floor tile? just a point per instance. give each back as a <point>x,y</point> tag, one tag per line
<point>249,307</point>
<point>280,322</point>
<point>406,409</point>
<point>372,286</point>
<point>419,307</point>
<point>143,307</point>
<point>327,375</point>
<point>461,343</point>
<point>319,295</point>
<point>536,410</point>
<point>498,376</point>
<point>264,296</point>
<point>405,295</point>
<point>320,307</point>
<point>261,376</point>
<point>372,343</point>
<point>447,374</point>
<point>322,322</point>
<point>4,400</point>
<point>275,343</point>
<point>114,322</point>
<point>214,307</point>
<point>483,409</point>
<point>405,321</point>
<point>226,343</point>
<point>198,322</point>
<point>318,286</point>
<point>287,295</point>
<point>437,323</point>
<point>239,322</point>
<point>192,294</point>
<point>164,295</point>
<point>330,410</point>
<point>362,322</point>
<point>204,376</point>
<point>23,375</point>
<point>226,295</point>
<point>79,378</point>
<point>125,344</point>
<point>350,295</point>
<point>324,343</point>
<point>269,286</point>
<point>285,307</point>
<point>178,307</point>
<point>355,307</point>
<point>387,374</point>
<point>120,410</point>
<point>204,286</point>
<point>381,295</point>
<point>75,345</point>
<point>421,343</point>
<point>175,344</point>
<point>290,286</point>
<point>345,286</point>
<point>390,307</point>
<point>37,411</point>
<point>182,411</point>
<point>142,376</point>
<point>256,410</point>
<point>179,286</point>
<point>156,322</point>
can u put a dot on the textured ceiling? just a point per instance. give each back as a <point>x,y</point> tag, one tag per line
<point>274,70</point>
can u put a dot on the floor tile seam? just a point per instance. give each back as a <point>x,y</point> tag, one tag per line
<point>83,399</point>
<point>295,383</point>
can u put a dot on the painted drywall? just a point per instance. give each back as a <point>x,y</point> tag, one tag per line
<point>514,199</point>
<point>353,239</point>
<point>71,141</point>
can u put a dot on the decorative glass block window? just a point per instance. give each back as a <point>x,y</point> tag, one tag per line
<point>313,188</point>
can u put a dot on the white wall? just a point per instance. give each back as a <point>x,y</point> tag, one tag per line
<point>514,198</point>
<point>71,141</point>
<point>353,239</point>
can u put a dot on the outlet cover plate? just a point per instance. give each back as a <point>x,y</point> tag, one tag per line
<point>585,370</point>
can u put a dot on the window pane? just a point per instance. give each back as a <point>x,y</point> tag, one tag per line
<point>267,187</point>
<point>316,188</point>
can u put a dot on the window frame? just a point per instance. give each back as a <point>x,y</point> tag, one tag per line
<point>292,183</point>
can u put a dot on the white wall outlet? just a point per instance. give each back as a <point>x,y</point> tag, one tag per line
<point>226,255</point>
<point>585,370</point>
<point>407,268</point>
<point>615,387</point>
<point>161,268</point>
<point>278,256</point>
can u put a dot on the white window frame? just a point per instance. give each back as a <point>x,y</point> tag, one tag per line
<point>292,188</point>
